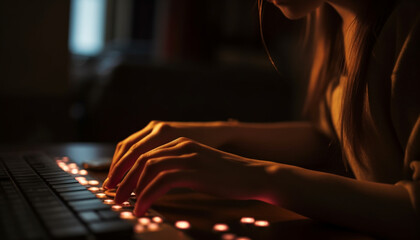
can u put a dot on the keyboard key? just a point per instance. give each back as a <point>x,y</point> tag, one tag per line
<point>91,204</point>
<point>89,216</point>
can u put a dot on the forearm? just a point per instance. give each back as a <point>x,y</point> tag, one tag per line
<point>381,209</point>
<point>296,143</point>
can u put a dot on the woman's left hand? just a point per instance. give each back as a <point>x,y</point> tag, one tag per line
<point>184,163</point>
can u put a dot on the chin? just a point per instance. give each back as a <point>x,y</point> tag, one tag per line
<point>293,14</point>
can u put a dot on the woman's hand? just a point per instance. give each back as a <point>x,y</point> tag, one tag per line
<point>154,135</point>
<point>189,164</point>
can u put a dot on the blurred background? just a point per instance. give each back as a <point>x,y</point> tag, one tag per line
<point>98,70</point>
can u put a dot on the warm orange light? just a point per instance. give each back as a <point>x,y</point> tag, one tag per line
<point>220,227</point>
<point>126,204</point>
<point>83,172</point>
<point>139,228</point>
<point>93,189</point>
<point>74,171</point>
<point>127,215</point>
<point>157,219</point>
<point>109,201</point>
<point>93,182</point>
<point>143,220</point>
<point>153,227</point>
<point>72,165</point>
<point>243,238</point>
<point>101,195</point>
<point>182,225</point>
<point>262,223</point>
<point>116,207</point>
<point>248,220</point>
<point>228,236</point>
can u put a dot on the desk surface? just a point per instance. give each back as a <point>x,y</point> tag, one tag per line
<point>203,211</point>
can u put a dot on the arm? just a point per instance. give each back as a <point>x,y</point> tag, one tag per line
<point>380,209</point>
<point>297,143</point>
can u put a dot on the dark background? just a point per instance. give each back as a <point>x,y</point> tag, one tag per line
<point>207,64</point>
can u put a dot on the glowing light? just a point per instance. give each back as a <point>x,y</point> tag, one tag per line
<point>126,204</point>
<point>84,182</point>
<point>127,215</point>
<point>116,207</point>
<point>101,195</point>
<point>93,189</point>
<point>80,178</point>
<point>182,225</point>
<point>109,201</point>
<point>143,220</point>
<point>243,238</point>
<point>83,172</point>
<point>248,220</point>
<point>228,236</point>
<point>74,171</point>
<point>139,228</point>
<point>153,227</point>
<point>262,223</point>
<point>93,182</point>
<point>220,227</point>
<point>72,165</point>
<point>157,219</point>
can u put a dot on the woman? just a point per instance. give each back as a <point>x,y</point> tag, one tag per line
<point>362,97</point>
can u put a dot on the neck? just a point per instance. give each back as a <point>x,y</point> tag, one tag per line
<point>348,10</point>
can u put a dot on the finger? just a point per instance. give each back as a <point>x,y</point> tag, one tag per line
<point>126,162</point>
<point>124,146</point>
<point>156,165</point>
<point>165,181</point>
<point>168,156</point>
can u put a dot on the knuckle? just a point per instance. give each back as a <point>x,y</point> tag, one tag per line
<point>162,127</point>
<point>187,144</point>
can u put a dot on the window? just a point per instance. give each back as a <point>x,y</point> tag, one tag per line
<point>87,27</point>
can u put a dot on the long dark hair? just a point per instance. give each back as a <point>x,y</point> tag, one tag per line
<point>324,38</point>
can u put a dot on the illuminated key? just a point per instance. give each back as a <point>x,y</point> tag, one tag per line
<point>109,201</point>
<point>93,189</point>
<point>72,165</point>
<point>228,236</point>
<point>116,208</point>
<point>101,195</point>
<point>220,227</point>
<point>247,220</point>
<point>84,182</point>
<point>143,220</point>
<point>74,171</point>
<point>182,225</point>
<point>126,204</point>
<point>93,182</point>
<point>157,219</point>
<point>153,227</point>
<point>139,228</point>
<point>127,215</point>
<point>262,223</point>
<point>80,178</point>
<point>83,172</point>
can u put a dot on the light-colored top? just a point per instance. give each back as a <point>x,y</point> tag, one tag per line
<point>391,151</point>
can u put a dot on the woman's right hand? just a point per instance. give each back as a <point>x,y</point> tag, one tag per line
<point>155,134</point>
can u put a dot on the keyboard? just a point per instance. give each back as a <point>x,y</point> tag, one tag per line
<point>45,199</point>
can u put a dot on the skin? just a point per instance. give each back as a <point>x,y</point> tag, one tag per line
<point>166,155</point>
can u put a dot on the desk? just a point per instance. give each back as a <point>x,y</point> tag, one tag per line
<point>203,210</point>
